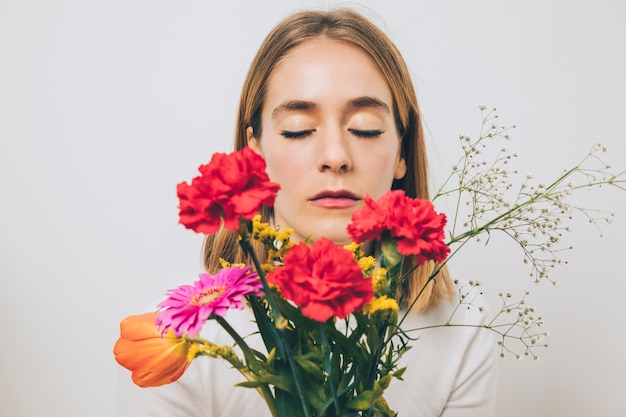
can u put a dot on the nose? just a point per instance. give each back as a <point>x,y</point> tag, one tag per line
<point>334,153</point>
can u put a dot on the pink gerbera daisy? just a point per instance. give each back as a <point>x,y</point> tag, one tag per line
<point>188,307</point>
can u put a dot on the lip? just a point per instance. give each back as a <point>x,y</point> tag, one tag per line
<point>335,199</point>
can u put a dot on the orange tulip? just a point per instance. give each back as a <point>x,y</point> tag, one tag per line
<point>153,359</point>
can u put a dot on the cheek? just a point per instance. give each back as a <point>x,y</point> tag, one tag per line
<point>380,171</point>
<point>284,167</point>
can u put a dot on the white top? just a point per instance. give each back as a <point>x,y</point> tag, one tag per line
<point>451,373</point>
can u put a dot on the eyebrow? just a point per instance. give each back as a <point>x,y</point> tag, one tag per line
<point>368,102</point>
<point>293,105</point>
<point>363,102</point>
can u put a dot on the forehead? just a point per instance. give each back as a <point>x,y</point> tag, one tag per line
<point>324,71</point>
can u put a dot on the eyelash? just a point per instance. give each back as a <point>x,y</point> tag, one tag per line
<point>359,133</point>
<point>373,134</point>
<point>296,135</point>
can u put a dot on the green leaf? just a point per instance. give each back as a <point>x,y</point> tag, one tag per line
<point>279,381</point>
<point>312,368</point>
<point>383,383</point>
<point>250,384</point>
<point>263,322</point>
<point>363,401</point>
<point>399,373</point>
<point>368,399</point>
<point>382,408</point>
<point>259,355</point>
<point>270,357</point>
<point>288,404</point>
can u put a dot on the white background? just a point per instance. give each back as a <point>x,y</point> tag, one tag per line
<point>106,105</point>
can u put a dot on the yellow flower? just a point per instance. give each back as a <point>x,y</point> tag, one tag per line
<point>267,267</point>
<point>276,241</point>
<point>379,280</point>
<point>266,235</point>
<point>383,303</point>
<point>258,228</point>
<point>367,264</point>
<point>225,264</point>
<point>353,247</point>
<point>196,350</point>
<point>262,231</point>
<point>284,235</point>
<point>215,351</point>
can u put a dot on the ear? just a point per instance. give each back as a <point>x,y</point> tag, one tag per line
<point>253,142</point>
<point>400,169</point>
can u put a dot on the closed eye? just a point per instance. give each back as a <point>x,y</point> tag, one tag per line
<point>366,133</point>
<point>287,134</point>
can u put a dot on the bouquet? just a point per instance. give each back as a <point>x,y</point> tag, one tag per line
<point>330,316</point>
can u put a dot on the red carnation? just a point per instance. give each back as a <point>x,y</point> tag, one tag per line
<point>418,229</point>
<point>324,280</point>
<point>229,187</point>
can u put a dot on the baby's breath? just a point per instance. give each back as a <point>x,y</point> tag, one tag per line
<point>535,215</point>
<point>516,323</point>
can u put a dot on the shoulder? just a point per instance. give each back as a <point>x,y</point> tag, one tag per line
<point>451,362</point>
<point>457,330</point>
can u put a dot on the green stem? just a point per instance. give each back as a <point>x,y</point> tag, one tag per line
<point>279,320</point>
<point>278,329</point>
<point>251,359</point>
<point>382,329</point>
<point>419,294</point>
<point>328,367</point>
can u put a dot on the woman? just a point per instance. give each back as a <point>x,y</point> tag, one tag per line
<point>329,103</point>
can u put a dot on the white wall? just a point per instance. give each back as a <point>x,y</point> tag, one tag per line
<point>106,105</point>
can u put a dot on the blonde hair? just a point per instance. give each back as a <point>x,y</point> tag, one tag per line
<point>347,26</point>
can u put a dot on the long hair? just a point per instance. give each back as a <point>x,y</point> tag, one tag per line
<point>347,26</point>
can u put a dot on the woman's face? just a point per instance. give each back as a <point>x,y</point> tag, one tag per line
<point>329,137</point>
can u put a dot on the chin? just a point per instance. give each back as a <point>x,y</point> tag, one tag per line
<point>338,238</point>
<point>334,229</point>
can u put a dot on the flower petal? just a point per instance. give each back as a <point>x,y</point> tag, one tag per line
<point>153,360</point>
